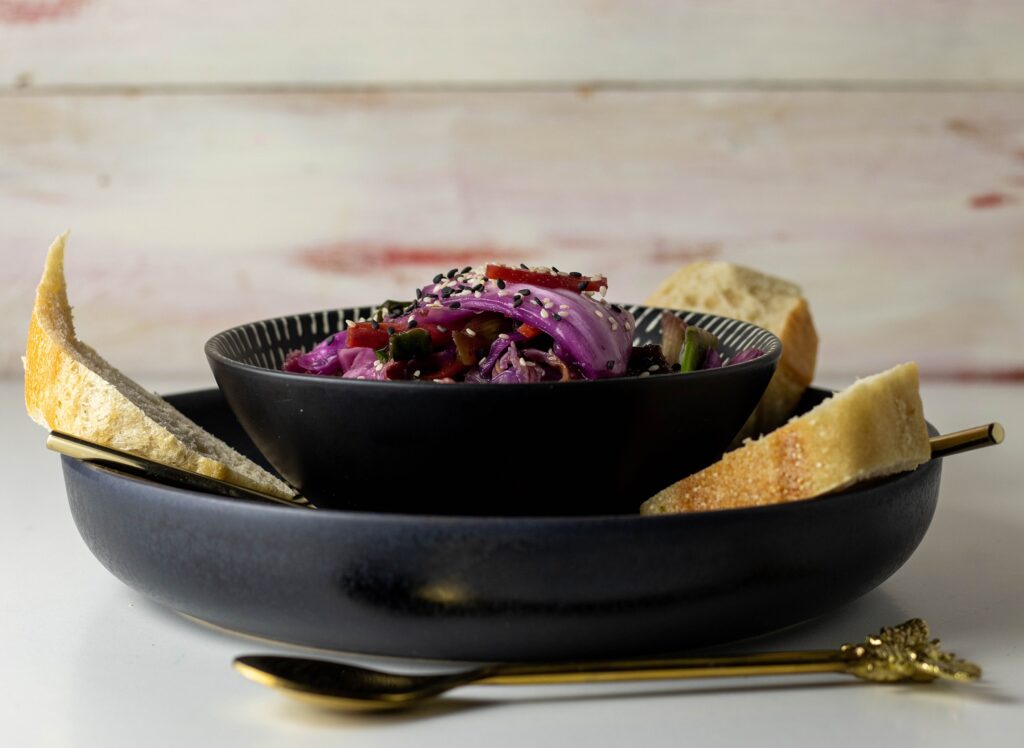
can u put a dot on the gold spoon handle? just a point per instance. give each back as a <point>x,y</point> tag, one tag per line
<point>775,663</point>
<point>903,652</point>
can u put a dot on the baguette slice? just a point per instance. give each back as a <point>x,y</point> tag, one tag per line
<point>70,388</point>
<point>764,300</point>
<point>874,427</point>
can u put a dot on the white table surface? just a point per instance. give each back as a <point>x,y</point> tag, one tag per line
<point>89,662</point>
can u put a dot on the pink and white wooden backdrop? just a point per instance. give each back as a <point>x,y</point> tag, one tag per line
<point>218,163</point>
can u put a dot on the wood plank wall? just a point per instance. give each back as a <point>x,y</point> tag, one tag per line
<point>220,163</point>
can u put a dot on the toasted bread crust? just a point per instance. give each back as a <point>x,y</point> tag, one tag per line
<point>62,393</point>
<point>875,427</point>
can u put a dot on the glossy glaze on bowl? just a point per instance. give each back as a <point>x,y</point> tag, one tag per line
<point>491,588</point>
<point>581,447</point>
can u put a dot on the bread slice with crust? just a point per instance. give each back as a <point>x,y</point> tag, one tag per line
<point>875,427</point>
<point>70,388</point>
<point>766,301</point>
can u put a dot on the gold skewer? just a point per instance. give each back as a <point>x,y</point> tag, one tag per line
<point>968,439</point>
<point>81,449</point>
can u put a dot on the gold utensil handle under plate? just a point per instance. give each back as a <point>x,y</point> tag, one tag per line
<point>99,454</point>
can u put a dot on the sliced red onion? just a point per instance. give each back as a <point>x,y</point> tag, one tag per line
<point>713,360</point>
<point>554,369</point>
<point>748,355</point>
<point>322,359</point>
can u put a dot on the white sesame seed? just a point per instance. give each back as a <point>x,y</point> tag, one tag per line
<point>349,323</point>
<point>440,328</point>
<point>629,326</point>
<point>522,361</point>
<point>412,317</point>
<point>598,313</point>
<point>469,332</point>
<point>615,326</point>
<point>563,306</point>
<point>360,377</point>
<point>544,313</point>
<point>501,335</point>
<point>502,293</point>
<point>653,367</point>
<point>478,294</point>
<point>548,305</point>
<point>416,373</point>
<point>645,374</point>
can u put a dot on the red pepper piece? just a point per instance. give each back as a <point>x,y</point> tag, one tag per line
<point>448,370</point>
<point>528,331</point>
<point>363,335</point>
<point>546,280</point>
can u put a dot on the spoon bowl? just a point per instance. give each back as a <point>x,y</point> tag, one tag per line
<point>347,687</point>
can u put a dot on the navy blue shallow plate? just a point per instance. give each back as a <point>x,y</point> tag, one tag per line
<point>493,588</point>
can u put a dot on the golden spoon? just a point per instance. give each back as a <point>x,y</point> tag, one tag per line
<point>896,653</point>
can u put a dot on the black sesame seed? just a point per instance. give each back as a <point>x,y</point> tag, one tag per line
<point>517,302</point>
<point>554,268</point>
<point>455,305</point>
<point>478,287</point>
<point>438,277</point>
<point>574,274</point>
<point>419,293</point>
<point>556,316</point>
<point>466,269</point>
<point>616,308</point>
<point>609,365</point>
<point>537,301</point>
<point>391,331</point>
<point>501,283</point>
<point>582,286</point>
<point>412,324</point>
<point>396,310</point>
<point>330,340</point>
<point>523,266</point>
<point>524,291</point>
<point>446,292</point>
<point>374,324</point>
<point>676,367</point>
<point>451,273</point>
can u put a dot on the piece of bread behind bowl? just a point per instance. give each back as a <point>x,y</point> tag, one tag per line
<point>769,302</point>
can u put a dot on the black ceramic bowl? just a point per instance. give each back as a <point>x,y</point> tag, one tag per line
<point>581,447</point>
<point>493,588</point>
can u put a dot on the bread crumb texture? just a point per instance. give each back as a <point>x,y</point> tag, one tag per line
<point>70,388</point>
<point>873,428</point>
